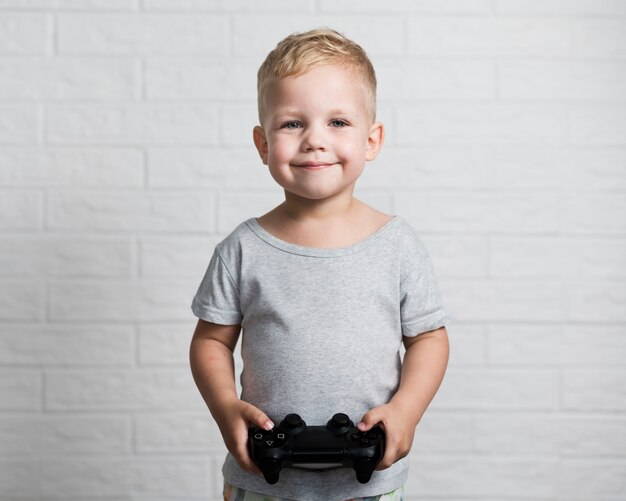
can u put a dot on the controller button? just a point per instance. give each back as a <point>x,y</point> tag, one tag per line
<point>340,420</point>
<point>293,421</point>
<point>259,436</point>
<point>340,423</point>
<point>269,443</point>
<point>292,424</point>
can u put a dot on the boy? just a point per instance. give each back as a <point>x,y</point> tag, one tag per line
<point>324,288</point>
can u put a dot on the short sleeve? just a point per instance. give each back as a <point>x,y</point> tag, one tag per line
<point>421,305</point>
<point>217,299</point>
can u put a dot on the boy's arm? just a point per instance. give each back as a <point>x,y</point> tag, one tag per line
<point>423,368</point>
<point>213,369</point>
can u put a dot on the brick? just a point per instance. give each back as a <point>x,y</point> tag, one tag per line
<point>24,34</point>
<point>70,167</point>
<point>485,123</point>
<point>594,390</point>
<point>121,390</point>
<point>69,4</point>
<point>556,80</point>
<point>403,7</point>
<point>595,214</point>
<point>598,125</point>
<point>498,389</point>
<point>504,300</point>
<point>597,302</point>
<point>496,476</point>
<point>146,34</point>
<point>132,211</point>
<point>65,256</point>
<point>580,479</point>
<point>593,435</point>
<point>432,168</point>
<point>443,433</point>
<point>20,390</point>
<point>132,123</point>
<point>220,169</point>
<point>490,37</point>
<point>149,300</point>
<point>42,435</point>
<point>467,345</point>
<point>21,299</point>
<point>201,79</point>
<point>599,38</point>
<point>20,210</point>
<point>179,433</point>
<point>19,124</point>
<point>68,78</point>
<point>120,477</point>
<point>570,345</point>
<point>234,208</point>
<point>53,346</point>
<point>557,257</point>
<point>457,257</point>
<point>549,435</point>
<point>167,344</point>
<point>237,123</point>
<point>561,8</point>
<point>257,35</point>
<point>480,212</point>
<point>16,479</point>
<point>235,6</point>
<point>528,434</point>
<point>176,257</point>
<point>421,79</point>
<point>561,170</point>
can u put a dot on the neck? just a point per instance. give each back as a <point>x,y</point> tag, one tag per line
<point>333,208</point>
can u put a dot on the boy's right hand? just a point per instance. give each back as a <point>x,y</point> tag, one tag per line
<point>235,419</point>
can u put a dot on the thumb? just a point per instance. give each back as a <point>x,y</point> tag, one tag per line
<point>257,417</point>
<point>370,419</point>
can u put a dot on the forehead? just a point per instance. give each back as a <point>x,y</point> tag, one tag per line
<point>333,88</point>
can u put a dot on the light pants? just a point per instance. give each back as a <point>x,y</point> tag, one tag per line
<point>236,494</point>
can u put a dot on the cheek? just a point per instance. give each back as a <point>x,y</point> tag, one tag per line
<point>281,150</point>
<point>351,150</point>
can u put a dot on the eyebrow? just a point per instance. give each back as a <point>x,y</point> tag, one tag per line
<point>334,111</point>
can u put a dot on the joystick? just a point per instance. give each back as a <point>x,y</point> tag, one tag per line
<point>292,443</point>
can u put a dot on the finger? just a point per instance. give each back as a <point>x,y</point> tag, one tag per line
<point>387,460</point>
<point>257,417</point>
<point>370,419</point>
<point>243,458</point>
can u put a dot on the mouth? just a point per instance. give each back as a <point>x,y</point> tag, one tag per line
<point>314,165</point>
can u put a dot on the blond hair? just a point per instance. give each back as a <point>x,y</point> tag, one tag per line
<point>301,52</point>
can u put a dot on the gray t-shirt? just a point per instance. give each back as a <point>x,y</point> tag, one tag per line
<point>321,334</point>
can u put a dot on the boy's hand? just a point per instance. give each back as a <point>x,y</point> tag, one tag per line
<point>399,431</point>
<point>234,421</point>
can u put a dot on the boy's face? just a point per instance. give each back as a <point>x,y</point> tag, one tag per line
<point>317,134</point>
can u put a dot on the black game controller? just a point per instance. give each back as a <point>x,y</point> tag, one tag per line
<point>292,443</point>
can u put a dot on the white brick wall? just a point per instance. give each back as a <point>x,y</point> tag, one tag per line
<point>126,154</point>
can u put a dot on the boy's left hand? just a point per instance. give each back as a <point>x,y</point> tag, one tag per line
<point>399,431</point>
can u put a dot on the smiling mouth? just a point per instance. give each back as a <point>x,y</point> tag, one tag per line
<point>314,165</point>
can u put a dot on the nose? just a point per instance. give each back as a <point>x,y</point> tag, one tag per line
<point>314,139</point>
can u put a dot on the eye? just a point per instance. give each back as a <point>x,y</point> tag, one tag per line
<point>338,123</point>
<point>291,125</point>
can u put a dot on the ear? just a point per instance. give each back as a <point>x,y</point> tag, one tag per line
<point>260,141</point>
<point>374,141</point>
